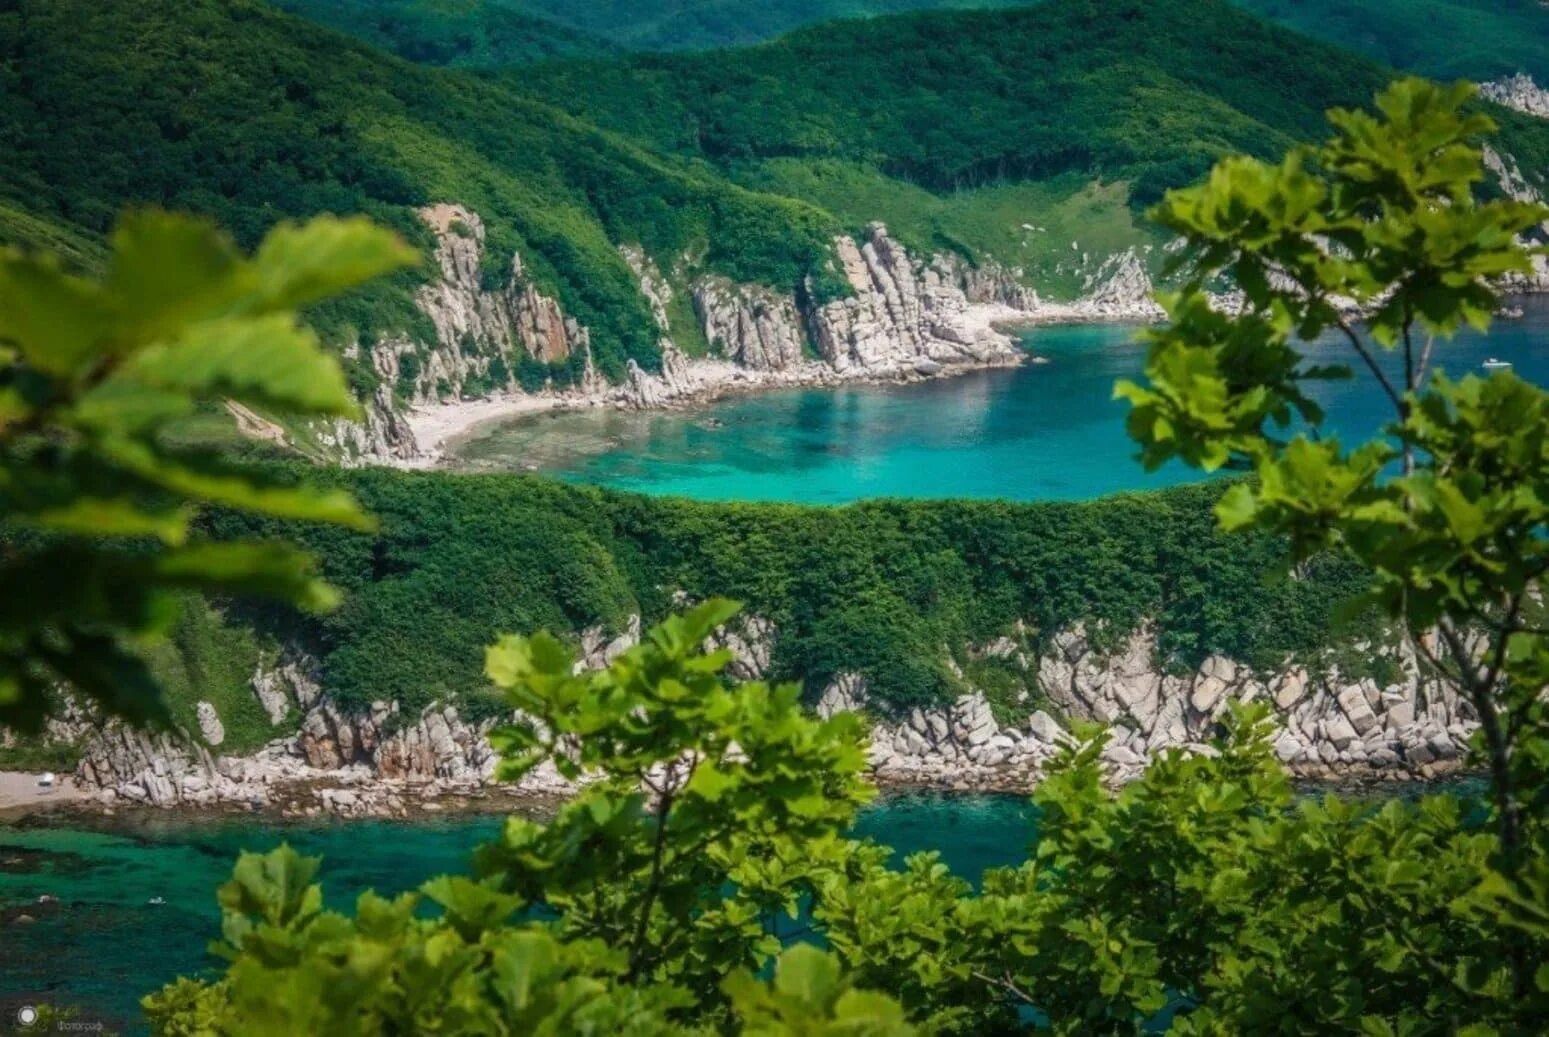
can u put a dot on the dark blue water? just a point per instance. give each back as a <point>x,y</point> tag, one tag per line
<point>1038,432</point>
<point>104,945</point>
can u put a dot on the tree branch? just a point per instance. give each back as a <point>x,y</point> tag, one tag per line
<point>1376,370</point>
<point>1005,983</point>
<point>653,887</point>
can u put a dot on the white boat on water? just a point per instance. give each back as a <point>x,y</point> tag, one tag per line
<point>1493,364</point>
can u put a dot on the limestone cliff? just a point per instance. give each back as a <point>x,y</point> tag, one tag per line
<point>903,316</point>
<point>750,325</point>
<point>903,312</point>
<point>476,324</point>
<point>381,761</point>
<point>1519,93</point>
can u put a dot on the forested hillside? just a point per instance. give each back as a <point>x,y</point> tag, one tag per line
<point>231,109</point>
<point>1443,39</point>
<point>1471,39</point>
<point>702,24</point>
<point>1032,136</point>
<point>458,33</point>
<point>889,589</point>
<point>1029,137</point>
<point>1123,88</point>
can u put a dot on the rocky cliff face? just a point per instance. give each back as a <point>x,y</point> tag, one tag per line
<point>903,313</point>
<point>1509,176</point>
<point>1520,93</point>
<point>381,761</point>
<point>1330,726</point>
<point>752,326</point>
<point>476,324</point>
<point>905,316</point>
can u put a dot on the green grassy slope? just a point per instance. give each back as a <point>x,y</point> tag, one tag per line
<point>983,131</point>
<point>457,33</point>
<point>1443,39</point>
<point>229,108</point>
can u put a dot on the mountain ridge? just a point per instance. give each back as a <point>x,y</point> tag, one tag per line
<point>1007,152</point>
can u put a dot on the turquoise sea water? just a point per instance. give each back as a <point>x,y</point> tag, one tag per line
<point>104,945</point>
<point>1037,432</point>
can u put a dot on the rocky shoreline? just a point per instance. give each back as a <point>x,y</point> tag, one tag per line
<point>907,318</point>
<point>379,762</point>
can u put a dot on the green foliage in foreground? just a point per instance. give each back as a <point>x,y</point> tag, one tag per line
<point>1447,510</point>
<point>91,375</point>
<point>1204,893</point>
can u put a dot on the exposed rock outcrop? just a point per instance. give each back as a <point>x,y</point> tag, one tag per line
<point>1330,725</point>
<point>1509,176</point>
<point>753,326</point>
<point>382,434</point>
<point>476,322</point>
<point>1519,93</point>
<point>905,317</point>
<point>902,312</point>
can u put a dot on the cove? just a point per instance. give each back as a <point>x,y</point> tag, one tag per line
<point>1049,431</point>
<point>104,946</point>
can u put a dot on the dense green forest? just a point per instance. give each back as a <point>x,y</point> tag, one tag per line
<point>699,24</point>
<point>231,109</point>
<point>235,110</point>
<point>1472,39</point>
<point>887,588</point>
<point>1002,134</point>
<point>457,33</point>
<point>997,133</point>
<point>1443,39</point>
<point>1153,91</point>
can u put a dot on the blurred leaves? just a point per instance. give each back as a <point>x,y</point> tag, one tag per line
<point>92,374</point>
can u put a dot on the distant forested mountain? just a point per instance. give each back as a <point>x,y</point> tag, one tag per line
<point>457,33</point>
<point>1443,39</point>
<point>1008,134</point>
<point>1030,137</point>
<point>701,24</point>
<point>1472,39</point>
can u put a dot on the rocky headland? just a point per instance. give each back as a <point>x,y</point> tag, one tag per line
<point>380,762</point>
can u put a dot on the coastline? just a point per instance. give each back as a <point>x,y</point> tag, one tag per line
<point>440,429</point>
<point>21,795</point>
<point>320,800</point>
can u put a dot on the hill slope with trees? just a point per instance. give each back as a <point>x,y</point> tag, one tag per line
<point>1028,137</point>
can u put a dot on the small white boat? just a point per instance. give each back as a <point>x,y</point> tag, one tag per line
<point>156,901</point>
<point>1493,364</point>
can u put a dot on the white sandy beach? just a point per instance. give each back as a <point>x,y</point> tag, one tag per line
<point>20,791</point>
<point>439,427</point>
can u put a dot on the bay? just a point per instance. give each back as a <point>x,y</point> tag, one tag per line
<point>1047,431</point>
<point>105,945</point>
